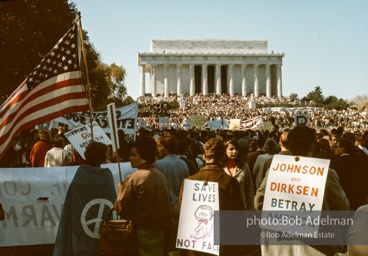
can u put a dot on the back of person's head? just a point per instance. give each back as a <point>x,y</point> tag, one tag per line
<point>347,145</point>
<point>253,146</point>
<point>214,150</point>
<point>283,138</point>
<point>271,146</point>
<point>323,149</point>
<point>59,142</point>
<point>183,145</point>
<point>301,140</point>
<point>348,136</point>
<point>96,153</point>
<point>45,136</point>
<point>146,148</point>
<point>170,143</point>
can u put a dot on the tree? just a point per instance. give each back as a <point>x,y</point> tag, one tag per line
<point>315,98</point>
<point>30,29</point>
<point>293,96</point>
<point>361,101</point>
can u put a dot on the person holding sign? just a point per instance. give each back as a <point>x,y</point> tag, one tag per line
<point>301,141</point>
<point>144,198</point>
<point>229,192</point>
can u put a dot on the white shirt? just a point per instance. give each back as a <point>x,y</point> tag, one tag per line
<point>57,157</point>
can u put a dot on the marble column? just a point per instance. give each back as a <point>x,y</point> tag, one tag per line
<point>153,81</point>
<point>178,79</point>
<point>218,79</point>
<point>166,83</point>
<point>142,80</point>
<point>279,81</point>
<point>204,79</point>
<point>191,82</point>
<point>268,81</point>
<point>231,80</point>
<point>256,86</point>
<point>244,79</point>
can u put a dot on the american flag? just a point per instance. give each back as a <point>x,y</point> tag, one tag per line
<point>54,88</point>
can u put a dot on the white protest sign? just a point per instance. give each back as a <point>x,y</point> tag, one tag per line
<point>295,184</point>
<point>82,136</point>
<point>126,118</point>
<point>302,119</point>
<point>196,222</point>
<point>111,116</point>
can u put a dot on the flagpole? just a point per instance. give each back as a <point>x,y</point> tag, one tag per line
<point>86,73</point>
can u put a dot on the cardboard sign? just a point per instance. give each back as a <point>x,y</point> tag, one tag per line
<point>111,110</point>
<point>295,184</point>
<point>197,121</point>
<point>196,222</point>
<point>126,118</point>
<point>234,124</point>
<point>82,136</point>
<point>302,119</point>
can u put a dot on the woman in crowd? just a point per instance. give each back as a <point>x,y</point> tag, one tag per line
<point>144,198</point>
<point>235,167</point>
<point>92,187</point>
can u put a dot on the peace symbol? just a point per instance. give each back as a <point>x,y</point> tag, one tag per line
<point>87,224</point>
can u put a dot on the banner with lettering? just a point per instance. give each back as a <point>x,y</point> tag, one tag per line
<point>33,199</point>
<point>82,136</point>
<point>295,184</point>
<point>253,123</point>
<point>126,117</point>
<point>196,223</point>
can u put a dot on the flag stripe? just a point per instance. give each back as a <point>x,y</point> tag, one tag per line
<point>17,97</point>
<point>46,91</point>
<point>53,89</point>
<point>41,116</point>
<point>37,105</point>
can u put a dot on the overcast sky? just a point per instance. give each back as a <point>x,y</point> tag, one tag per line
<point>325,42</point>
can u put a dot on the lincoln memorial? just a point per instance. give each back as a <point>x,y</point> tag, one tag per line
<point>210,66</point>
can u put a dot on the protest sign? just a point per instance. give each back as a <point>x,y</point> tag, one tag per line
<point>234,124</point>
<point>126,117</point>
<point>196,223</point>
<point>197,121</point>
<point>113,126</point>
<point>214,125</point>
<point>253,123</point>
<point>164,122</point>
<point>82,136</point>
<point>295,184</point>
<point>33,200</point>
<point>302,119</point>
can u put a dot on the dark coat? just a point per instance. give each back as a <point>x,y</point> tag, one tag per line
<point>353,175</point>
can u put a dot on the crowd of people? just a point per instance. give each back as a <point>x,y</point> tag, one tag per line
<point>223,106</point>
<point>238,160</point>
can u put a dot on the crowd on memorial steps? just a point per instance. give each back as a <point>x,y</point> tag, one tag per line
<point>278,110</point>
<point>238,159</point>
